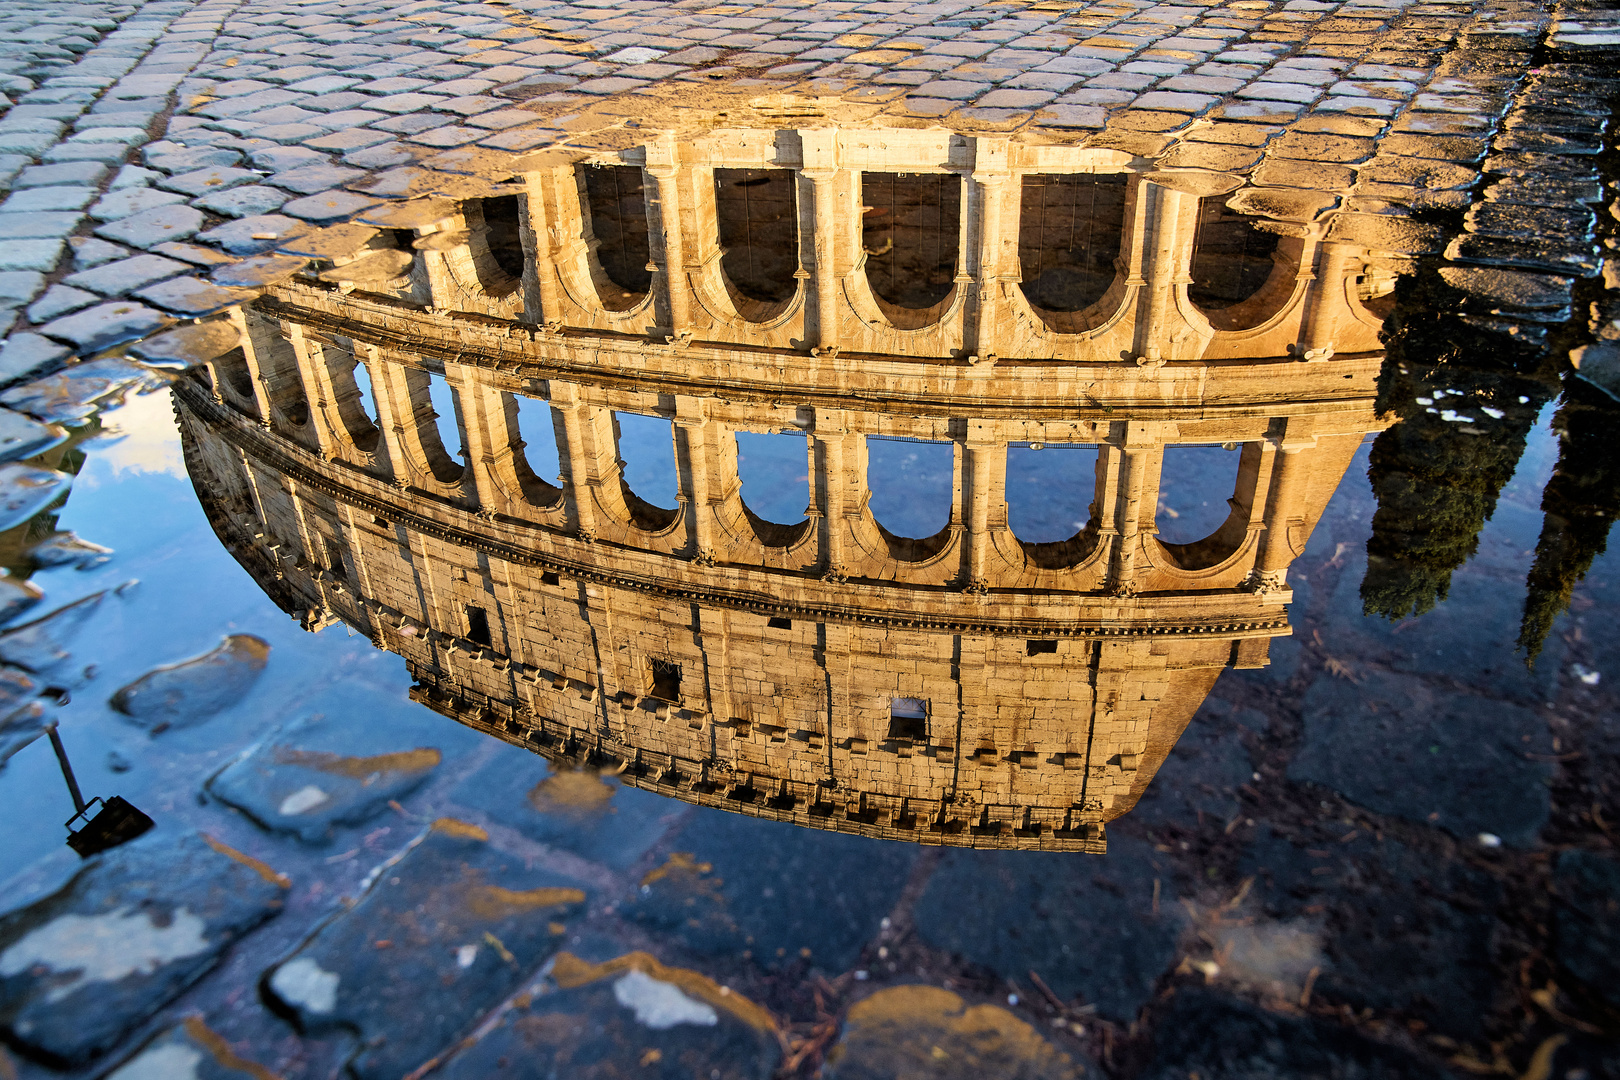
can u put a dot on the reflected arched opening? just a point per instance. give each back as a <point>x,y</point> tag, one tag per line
<point>1069,231</point>
<point>912,484</point>
<point>503,234</point>
<point>1195,484</point>
<point>535,455</point>
<point>910,232</point>
<point>775,475</point>
<point>278,368</point>
<point>234,382</point>
<point>616,200</point>
<point>649,477</point>
<point>1231,261</point>
<point>1050,488</point>
<point>758,223</point>
<point>351,383</point>
<point>447,419</point>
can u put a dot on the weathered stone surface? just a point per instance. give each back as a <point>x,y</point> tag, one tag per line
<point>1447,758</point>
<point>150,228</point>
<point>628,1016</point>
<point>74,391</point>
<point>80,968</point>
<point>188,345</point>
<point>922,1031</point>
<point>443,934</point>
<point>190,1050</point>
<point>776,892</point>
<point>193,297</point>
<point>251,235</point>
<point>25,490</point>
<point>577,810</point>
<point>1103,929</point>
<point>322,773</point>
<point>21,437</point>
<point>186,693</point>
<point>1397,929</point>
<point>1220,1038</point>
<point>25,354</point>
<point>106,325</point>
<point>40,646</point>
<point>1586,920</point>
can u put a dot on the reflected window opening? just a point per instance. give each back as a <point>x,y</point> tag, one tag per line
<point>777,623</point>
<point>1194,486</point>
<point>478,626</point>
<point>1069,234</point>
<point>665,679</point>
<point>912,483</point>
<point>910,232</point>
<point>617,202</point>
<point>502,234</point>
<point>539,437</point>
<point>647,453</point>
<point>775,474</point>
<point>908,720</point>
<point>1039,648</point>
<point>447,418</point>
<point>368,399</point>
<point>1231,258</point>
<point>758,221</point>
<point>1050,488</point>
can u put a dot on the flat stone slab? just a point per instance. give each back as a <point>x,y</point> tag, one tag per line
<point>190,1050</point>
<point>1586,920</point>
<point>923,1031</point>
<point>341,769</point>
<point>25,354</point>
<point>777,892</point>
<point>74,392</point>
<point>132,929</point>
<point>442,936</point>
<point>1397,928</point>
<point>25,490</point>
<point>1221,1038</point>
<point>41,646</point>
<point>149,228</point>
<point>628,1016</point>
<point>21,437</point>
<point>1395,745</point>
<point>1087,926</point>
<point>106,325</point>
<point>186,693</point>
<point>576,810</point>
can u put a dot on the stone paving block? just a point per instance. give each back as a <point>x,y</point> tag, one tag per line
<point>1586,920</point>
<point>188,692</point>
<point>1446,757</point>
<point>241,202</point>
<point>251,235</point>
<point>1211,1035</point>
<point>1384,944</point>
<point>627,1016</point>
<point>25,491</point>
<point>328,772</point>
<point>132,929</point>
<point>39,225</point>
<point>88,173</point>
<point>192,297</point>
<point>125,275</point>
<point>823,892</point>
<point>33,200</point>
<point>20,285</point>
<point>189,1050</point>
<point>153,227</point>
<point>89,252</point>
<point>59,300</point>
<point>213,178</point>
<point>105,325</point>
<point>591,815</point>
<point>25,354</point>
<point>442,935</point>
<point>1086,926</point>
<point>197,158</point>
<point>917,1031</point>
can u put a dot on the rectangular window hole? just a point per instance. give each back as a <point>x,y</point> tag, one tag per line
<point>548,577</point>
<point>1035,648</point>
<point>478,626</point>
<point>666,681</point>
<point>778,623</point>
<point>908,719</point>
<point>334,556</point>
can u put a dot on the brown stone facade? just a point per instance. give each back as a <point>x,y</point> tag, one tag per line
<point>969,687</point>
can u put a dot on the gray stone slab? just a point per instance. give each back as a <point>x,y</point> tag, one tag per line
<point>61,197</point>
<point>213,178</point>
<point>132,200</point>
<point>1396,745</point>
<point>241,202</point>
<point>328,206</point>
<point>250,236</point>
<point>626,1016</point>
<point>591,815</point>
<point>82,967</point>
<point>19,286</point>
<point>1217,1037</point>
<point>59,300</point>
<point>772,890</point>
<point>87,173</point>
<point>442,935</point>
<point>126,274</point>
<point>105,325</point>
<point>89,251</point>
<point>150,228</point>
<point>918,1031</point>
<point>39,225</point>
<point>1398,929</point>
<point>40,254</point>
<point>1086,926</point>
<point>200,157</point>
<point>25,354</point>
<point>193,297</point>
<point>1586,932</point>
<point>189,692</point>
<point>191,1050</point>
<point>40,647</point>
<point>21,437</point>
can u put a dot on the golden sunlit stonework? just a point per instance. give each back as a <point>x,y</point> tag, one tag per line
<point>969,687</point>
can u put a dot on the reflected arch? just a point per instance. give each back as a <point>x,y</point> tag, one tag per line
<point>912,485</point>
<point>757,216</point>
<point>1070,227</point>
<point>615,202</point>
<point>911,237</point>
<point>1241,274</point>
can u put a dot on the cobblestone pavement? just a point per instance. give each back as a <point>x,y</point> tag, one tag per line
<point>457,908</point>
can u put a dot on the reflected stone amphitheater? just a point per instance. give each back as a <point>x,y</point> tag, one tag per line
<point>967,687</point>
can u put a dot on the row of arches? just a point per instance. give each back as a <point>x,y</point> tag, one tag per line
<point>1070,231</point>
<point>1050,488</point>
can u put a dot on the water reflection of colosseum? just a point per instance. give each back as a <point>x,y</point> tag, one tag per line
<point>375,453</point>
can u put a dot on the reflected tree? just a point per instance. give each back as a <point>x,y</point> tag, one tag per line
<point>1467,397</point>
<point>1579,504</point>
